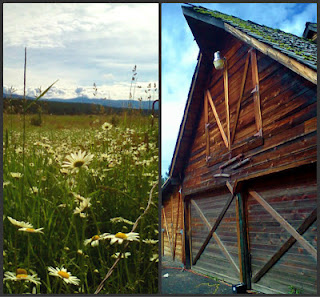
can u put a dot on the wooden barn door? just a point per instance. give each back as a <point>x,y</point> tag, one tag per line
<point>282,233</point>
<point>172,227</point>
<point>213,233</point>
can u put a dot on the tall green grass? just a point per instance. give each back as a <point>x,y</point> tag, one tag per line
<point>118,182</point>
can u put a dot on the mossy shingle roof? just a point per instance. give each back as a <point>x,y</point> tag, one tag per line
<point>299,48</point>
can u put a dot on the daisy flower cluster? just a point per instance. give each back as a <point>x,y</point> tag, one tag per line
<point>71,196</point>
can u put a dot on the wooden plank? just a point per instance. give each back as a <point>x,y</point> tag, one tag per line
<point>166,225</point>
<point>206,123</point>
<point>240,97</point>
<point>239,240</point>
<point>256,94</point>
<point>176,227</point>
<point>246,267</point>
<point>187,234</point>
<point>217,119</point>
<point>214,228</point>
<point>230,187</point>
<point>291,63</point>
<point>229,162</point>
<point>284,224</point>
<point>183,230</point>
<point>215,236</point>
<point>226,98</point>
<point>285,247</point>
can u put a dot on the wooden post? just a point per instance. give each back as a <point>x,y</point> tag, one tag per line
<point>238,239</point>
<point>206,119</point>
<point>187,234</point>
<point>245,266</point>
<point>244,77</point>
<point>256,91</point>
<point>226,98</point>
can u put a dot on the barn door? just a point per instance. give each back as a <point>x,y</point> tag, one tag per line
<point>172,227</point>
<point>214,237</point>
<point>282,234</point>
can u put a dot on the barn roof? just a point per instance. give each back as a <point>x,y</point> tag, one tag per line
<point>298,48</point>
<point>297,53</point>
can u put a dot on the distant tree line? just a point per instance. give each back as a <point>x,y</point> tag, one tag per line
<point>14,105</point>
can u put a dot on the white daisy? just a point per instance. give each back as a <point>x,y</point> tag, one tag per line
<point>20,224</point>
<point>34,190</point>
<point>21,274</point>
<point>106,126</point>
<point>123,255</point>
<point>83,205</point>
<point>6,183</point>
<point>94,240</point>
<point>155,257</point>
<point>64,171</point>
<point>77,160</point>
<point>121,220</point>
<point>16,175</point>
<point>150,241</point>
<point>64,274</point>
<point>31,230</point>
<point>120,237</point>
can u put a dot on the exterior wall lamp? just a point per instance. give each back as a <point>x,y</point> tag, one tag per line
<point>218,62</point>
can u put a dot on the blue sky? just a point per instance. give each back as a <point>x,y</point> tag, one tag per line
<point>79,44</point>
<point>179,54</point>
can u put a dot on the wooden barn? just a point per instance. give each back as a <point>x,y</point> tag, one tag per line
<point>240,203</point>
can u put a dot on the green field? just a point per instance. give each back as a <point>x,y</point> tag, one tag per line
<point>78,179</point>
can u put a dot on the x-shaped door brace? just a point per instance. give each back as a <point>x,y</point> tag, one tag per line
<point>296,235</point>
<point>213,229</point>
<point>228,138</point>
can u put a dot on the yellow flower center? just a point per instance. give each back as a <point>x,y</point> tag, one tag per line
<point>121,235</point>
<point>78,163</point>
<point>21,271</point>
<point>22,276</point>
<point>96,237</point>
<point>30,230</point>
<point>64,274</point>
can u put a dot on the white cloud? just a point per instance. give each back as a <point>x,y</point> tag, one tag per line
<point>80,43</point>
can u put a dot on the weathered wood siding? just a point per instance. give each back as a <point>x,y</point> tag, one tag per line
<point>288,141</point>
<point>288,108</point>
<point>172,226</point>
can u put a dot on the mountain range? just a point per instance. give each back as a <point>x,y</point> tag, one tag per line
<point>105,102</point>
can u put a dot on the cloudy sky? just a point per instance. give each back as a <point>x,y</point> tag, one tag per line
<point>80,44</point>
<point>179,54</point>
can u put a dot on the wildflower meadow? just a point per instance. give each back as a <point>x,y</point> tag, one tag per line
<point>80,204</point>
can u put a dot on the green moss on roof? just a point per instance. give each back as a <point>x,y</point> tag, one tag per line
<point>304,48</point>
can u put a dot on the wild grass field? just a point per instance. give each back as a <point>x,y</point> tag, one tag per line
<point>72,191</point>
